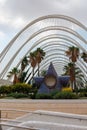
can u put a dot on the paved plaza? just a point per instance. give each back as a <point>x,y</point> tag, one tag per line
<point>8,106</point>
<point>43,114</point>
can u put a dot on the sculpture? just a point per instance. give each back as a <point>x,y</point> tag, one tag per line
<point>51,81</point>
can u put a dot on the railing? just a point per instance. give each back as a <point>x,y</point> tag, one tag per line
<point>19,127</point>
<point>5,112</point>
<point>7,122</point>
<point>57,119</point>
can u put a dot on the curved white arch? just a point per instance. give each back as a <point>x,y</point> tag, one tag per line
<point>67,38</point>
<point>47,29</point>
<point>40,41</point>
<point>57,54</point>
<point>67,18</point>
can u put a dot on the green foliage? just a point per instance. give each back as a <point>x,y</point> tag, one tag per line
<point>43,96</point>
<point>2,89</point>
<point>84,56</point>
<point>21,88</point>
<point>57,95</point>
<point>33,91</point>
<point>18,95</point>
<point>53,93</point>
<point>82,90</point>
<point>43,73</point>
<point>65,95</point>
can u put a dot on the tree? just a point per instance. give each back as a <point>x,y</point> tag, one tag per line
<point>79,77</point>
<point>69,71</point>
<point>39,57</point>
<point>84,56</point>
<point>24,64</point>
<point>14,72</point>
<point>73,54</point>
<point>33,61</point>
<point>43,72</point>
<point>36,57</point>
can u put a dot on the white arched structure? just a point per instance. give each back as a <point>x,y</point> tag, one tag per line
<point>62,31</point>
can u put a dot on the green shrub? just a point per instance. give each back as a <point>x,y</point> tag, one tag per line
<point>21,88</point>
<point>83,89</point>
<point>43,96</point>
<point>17,95</point>
<point>17,88</point>
<point>2,90</point>
<point>65,95</point>
<point>33,93</point>
<point>53,93</point>
<point>83,94</point>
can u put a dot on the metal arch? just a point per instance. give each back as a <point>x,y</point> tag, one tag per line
<point>38,42</point>
<point>44,47</point>
<point>57,66</point>
<point>40,69</point>
<point>66,29</point>
<point>46,64</point>
<point>59,43</point>
<point>45,30</point>
<point>20,49</point>
<point>57,53</point>
<point>52,28</point>
<point>54,59</point>
<point>67,18</point>
<point>82,63</point>
<point>65,59</point>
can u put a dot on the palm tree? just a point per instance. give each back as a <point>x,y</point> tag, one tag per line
<point>14,72</point>
<point>43,73</point>
<point>69,71</point>
<point>39,57</point>
<point>79,77</point>
<point>33,61</point>
<point>84,56</point>
<point>73,54</point>
<point>24,63</point>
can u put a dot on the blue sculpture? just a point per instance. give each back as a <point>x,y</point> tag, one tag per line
<point>51,81</point>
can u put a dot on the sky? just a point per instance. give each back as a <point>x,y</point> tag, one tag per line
<point>15,14</point>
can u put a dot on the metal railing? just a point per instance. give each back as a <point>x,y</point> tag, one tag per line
<point>19,127</point>
<point>7,122</point>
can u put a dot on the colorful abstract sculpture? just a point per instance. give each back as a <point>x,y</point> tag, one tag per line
<point>51,81</point>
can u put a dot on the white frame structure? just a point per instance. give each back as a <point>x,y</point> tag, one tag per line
<point>45,31</point>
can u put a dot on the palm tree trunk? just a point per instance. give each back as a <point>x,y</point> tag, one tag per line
<point>33,72</point>
<point>74,82</point>
<point>38,69</point>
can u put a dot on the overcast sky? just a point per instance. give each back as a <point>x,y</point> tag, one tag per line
<point>15,14</point>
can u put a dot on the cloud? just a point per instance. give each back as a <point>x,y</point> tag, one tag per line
<point>2,34</point>
<point>15,14</point>
<point>2,2</point>
<point>18,22</point>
